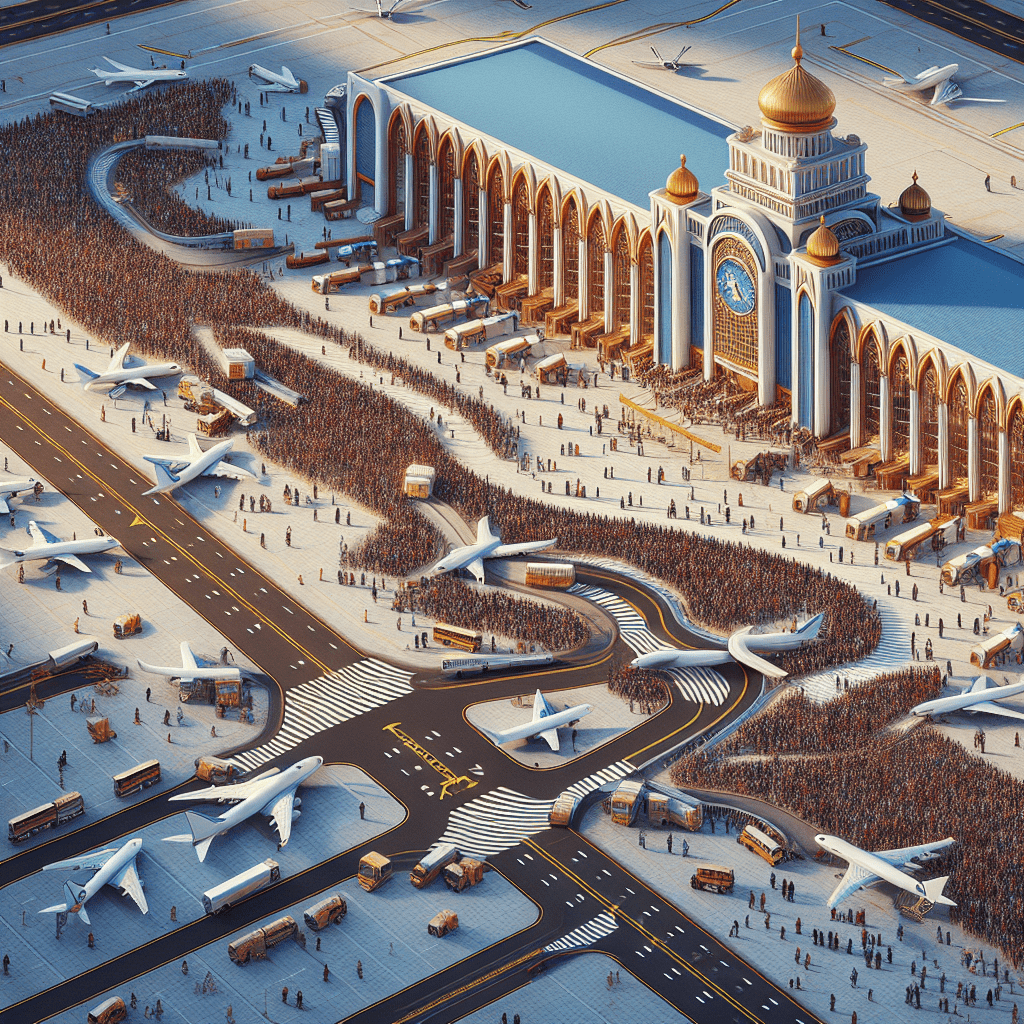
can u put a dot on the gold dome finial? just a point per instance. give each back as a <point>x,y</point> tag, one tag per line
<point>915,203</point>
<point>796,101</point>
<point>823,246</point>
<point>682,186</point>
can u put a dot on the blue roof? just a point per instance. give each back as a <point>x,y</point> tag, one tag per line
<point>964,293</point>
<point>573,115</point>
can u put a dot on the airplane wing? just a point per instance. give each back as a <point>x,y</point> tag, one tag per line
<point>40,535</point>
<point>188,659</point>
<point>73,560</point>
<point>476,567</point>
<point>550,736</point>
<point>739,649</point>
<point>87,862</point>
<point>141,382</point>
<point>991,707</point>
<point>655,65</point>
<point>233,793</point>
<point>508,550</point>
<point>280,809</point>
<point>946,92</point>
<point>226,469</point>
<point>903,856</point>
<point>118,358</point>
<point>289,78</point>
<point>128,881</point>
<point>4,507</point>
<point>855,878</point>
<point>122,67</point>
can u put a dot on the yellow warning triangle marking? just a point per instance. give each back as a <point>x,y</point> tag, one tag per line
<point>137,521</point>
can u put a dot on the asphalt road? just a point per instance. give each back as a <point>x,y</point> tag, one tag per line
<point>974,20</point>
<point>291,645</point>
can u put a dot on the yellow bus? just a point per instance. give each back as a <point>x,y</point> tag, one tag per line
<point>453,636</point>
<point>757,842</point>
<point>136,779</point>
<point>64,808</point>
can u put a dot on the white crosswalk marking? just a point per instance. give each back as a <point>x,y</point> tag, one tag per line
<point>612,773</point>
<point>586,935</point>
<point>327,700</point>
<point>701,685</point>
<point>495,821</point>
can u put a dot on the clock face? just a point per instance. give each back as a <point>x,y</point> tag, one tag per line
<point>735,286</point>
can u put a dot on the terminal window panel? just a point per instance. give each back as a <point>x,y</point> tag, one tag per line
<point>928,401</point>
<point>571,253</point>
<point>595,267</point>
<point>496,216</point>
<point>421,183</point>
<point>958,416</point>
<point>805,369</point>
<point>664,300</point>
<point>783,337</point>
<point>646,287</point>
<point>988,443</point>
<point>520,230</point>
<point>899,386</point>
<point>872,391</point>
<point>735,335</point>
<point>398,146</point>
<point>471,204</point>
<point>1016,438</point>
<point>446,183</point>
<point>839,358</point>
<point>620,285</point>
<point>545,241</point>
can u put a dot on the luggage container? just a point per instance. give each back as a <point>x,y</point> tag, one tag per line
<point>419,482</point>
<point>465,874</point>
<point>327,911</point>
<point>127,625</point>
<point>110,1011</point>
<point>256,943</point>
<point>443,922</point>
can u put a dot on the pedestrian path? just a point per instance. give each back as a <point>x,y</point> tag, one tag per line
<point>612,773</point>
<point>700,685</point>
<point>586,935</point>
<point>328,700</point>
<point>494,822</point>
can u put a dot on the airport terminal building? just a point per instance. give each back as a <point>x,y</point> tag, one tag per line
<point>885,330</point>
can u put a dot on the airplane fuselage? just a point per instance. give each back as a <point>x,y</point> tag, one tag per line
<point>115,377</point>
<point>963,701</point>
<point>854,855</point>
<point>89,546</point>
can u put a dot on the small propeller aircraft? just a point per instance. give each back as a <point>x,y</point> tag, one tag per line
<point>660,64</point>
<point>273,82</point>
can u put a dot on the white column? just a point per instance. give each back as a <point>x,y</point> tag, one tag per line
<point>1004,472</point>
<point>634,302</point>
<point>915,432</point>
<point>608,290</point>
<point>506,256</point>
<point>459,214</point>
<point>766,370</point>
<point>679,339</point>
<point>822,397</point>
<point>856,424</point>
<point>884,418</point>
<point>798,413</point>
<point>409,188</point>
<point>584,280</point>
<point>709,316</point>
<point>533,254</point>
<point>481,246</point>
<point>973,460</point>
<point>434,203</point>
<point>944,480</point>
<point>556,266</point>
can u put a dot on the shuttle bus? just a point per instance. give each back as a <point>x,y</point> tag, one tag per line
<point>453,636</point>
<point>465,666</point>
<point>389,302</point>
<point>64,808</point>
<point>136,779</point>
<point>811,498</point>
<point>911,543</point>
<point>982,563</point>
<point>432,864</point>
<point>904,509</point>
<point>234,890</point>
<point>757,842</point>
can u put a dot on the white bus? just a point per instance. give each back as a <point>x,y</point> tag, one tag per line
<point>236,889</point>
<point>903,509</point>
<point>466,666</point>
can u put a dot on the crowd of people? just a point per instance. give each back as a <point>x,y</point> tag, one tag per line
<point>449,600</point>
<point>883,792</point>
<point>797,724</point>
<point>646,691</point>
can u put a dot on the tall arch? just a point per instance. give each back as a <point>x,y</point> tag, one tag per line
<point>520,227</point>
<point>620,283</point>
<point>871,389</point>
<point>496,214</point>
<point>839,372</point>
<point>571,250</point>
<point>959,404</point>
<point>398,147</point>
<point>645,257</point>
<point>471,202</point>
<point>899,395</point>
<point>596,246</point>
<point>446,188</point>
<point>545,239</point>
<point>365,118</point>
<point>1015,431</point>
<point>988,442</point>
<point>421,175</point>
<point>928,391</point>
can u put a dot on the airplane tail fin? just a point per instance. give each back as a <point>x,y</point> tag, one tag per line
<point>164,477</point>
<point>85,374</point>
<point>933,891</point>
<point>203,831</point>
<point>483,531</point>
<point>72,903</point>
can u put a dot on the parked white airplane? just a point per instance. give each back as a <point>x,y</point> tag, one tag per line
<point>140,77</point>
<point>488,545</point>
<point>46,546</point>
<point>939,79</point>
<point>190,670</point>
<point>545,724</point>
<point>981,696</point>
<point>284,82</point>
<point>271,793</point>
<point>407,7</point>
<point>116,867</point>
<point>12,488</point>
<point>118,377</point>
<point>743,647</point>
<point>865,868</point>
<point>172,473</point>
<point>660,64</point>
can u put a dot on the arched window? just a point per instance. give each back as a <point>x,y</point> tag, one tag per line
<point>620,278</point>
<point>928,402</point>
<point>421,177</point>
<point>398,146</point>
<point>871,389</point>
<point>545,240</point>
<point>899,390</point>
<point>958,416</point>
<point>839,366</point>
<point>988,444</point>
<point>496,216</point>
<point>520,229</point>
<point>571,252</point>
<point>1016,439</point>
<point>471,204</point>
<point>446,190</point>
<point>646,286</point>
<point>366,141</point>
<point>595,267</point>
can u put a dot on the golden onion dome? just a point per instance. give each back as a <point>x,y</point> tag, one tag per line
<point>682,186</point>
<point>796,101</point>
<point>823,246</point>
<point>915,203</point>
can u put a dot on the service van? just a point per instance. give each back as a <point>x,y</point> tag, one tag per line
<point>329,910</point>
<point>110,1011</point>
<point>432,864</point>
